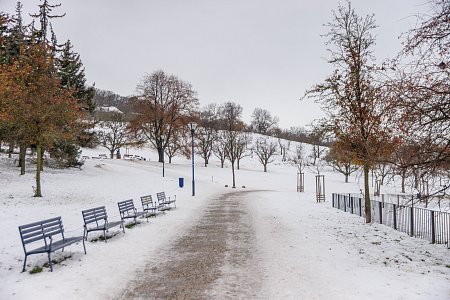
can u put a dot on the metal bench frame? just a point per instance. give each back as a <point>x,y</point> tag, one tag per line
<point>98,216</point>
<point>148,206</point>
<point>128,211</point>
<point>162,200</point>
<point>46,231</point>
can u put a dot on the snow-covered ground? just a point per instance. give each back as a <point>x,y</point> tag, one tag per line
<point>305,250</point>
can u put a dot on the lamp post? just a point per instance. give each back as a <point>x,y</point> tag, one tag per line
<point>161,139</point>
<point>192,126</point>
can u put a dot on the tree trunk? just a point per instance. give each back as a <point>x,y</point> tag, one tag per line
<point>170,159</point>
<point>416,180</point>
<point>22,154</point>
<point>232,170</point>
<point>222,161</point>
<point>37,192</point>
<point>10,149</point>
<point>42,159</point>
<point>238,164</point>
<point>265,168</point>
<point>403,180</point>
<point>111,154</point>
<point>367,210</point>
<point>346,177</point>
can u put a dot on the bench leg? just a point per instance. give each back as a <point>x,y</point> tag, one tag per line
<point>24,263</point>
<point>84,247</point>
<point>50,261</point>
<point>85,234</point>
<point>104,235</point>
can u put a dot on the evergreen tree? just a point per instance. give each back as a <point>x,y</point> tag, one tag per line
<point>44,16</point>
<point>72,75</point>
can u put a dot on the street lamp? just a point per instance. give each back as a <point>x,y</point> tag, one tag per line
<point>192,126</point>
<point>161,139</point>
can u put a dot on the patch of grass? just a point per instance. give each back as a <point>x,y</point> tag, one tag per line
<point>448,266</point>
<point>131,225</point>
<point>36,269</point>
<point>55,262</point>
<point>102,238</point>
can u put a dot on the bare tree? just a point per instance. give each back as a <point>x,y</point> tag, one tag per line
<point>265,149</point>
<point>230,114</point>
<point>164,105</point>
<point>243,140</point>
<point>342,161</point>
<point>262,121</point>
<point>220,147</point>
<point>207,132</point>
<point>284,146</point>
<point>421,87</point>
<point>382,170</point>
<point>113,134</point>
<point>298,159</point>
<point>179,144</point>
<point>356,111</point>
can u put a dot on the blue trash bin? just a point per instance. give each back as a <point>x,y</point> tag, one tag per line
<point>180,182</point>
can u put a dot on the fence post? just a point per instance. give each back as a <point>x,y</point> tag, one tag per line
<point>411,221</point>
<point>332,199</point>
<point>351,202</point>
<point>360,207</point>
<point>395,217</point>
<point>345,203</point>
<point>433,228</point>
<point>380,211</point>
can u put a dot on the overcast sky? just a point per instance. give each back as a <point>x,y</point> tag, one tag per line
<point>259,53</point>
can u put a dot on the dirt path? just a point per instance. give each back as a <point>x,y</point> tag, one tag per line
<point>217,258</point>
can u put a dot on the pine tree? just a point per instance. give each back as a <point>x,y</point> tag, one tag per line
<point>71,71</point>
<point>44,16</point>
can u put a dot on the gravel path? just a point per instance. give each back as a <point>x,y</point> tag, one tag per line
<point>217,258</point>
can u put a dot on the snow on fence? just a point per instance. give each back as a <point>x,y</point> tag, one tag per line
<point>423,223</point>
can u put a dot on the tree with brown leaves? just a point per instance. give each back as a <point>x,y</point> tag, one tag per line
<point>164,105</point>
<point>421,85</point>
<point>356,111</point>
<point>33,102</point>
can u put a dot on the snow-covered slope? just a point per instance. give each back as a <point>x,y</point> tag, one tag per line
<point>307,250</point>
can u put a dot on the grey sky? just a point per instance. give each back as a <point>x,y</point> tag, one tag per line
<point>257,53</point>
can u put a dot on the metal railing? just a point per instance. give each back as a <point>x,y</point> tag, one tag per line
<point>422,223</point>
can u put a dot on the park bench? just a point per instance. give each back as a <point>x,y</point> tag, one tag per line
<point>46,232</point>
<point>148,206</point>
<point>162,200</point>
<point>128,211</point>
<point>97,219</point>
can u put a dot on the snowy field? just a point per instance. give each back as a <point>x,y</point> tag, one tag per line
<point>305,250</point>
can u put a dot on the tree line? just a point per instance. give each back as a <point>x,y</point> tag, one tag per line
<point>379,117</point>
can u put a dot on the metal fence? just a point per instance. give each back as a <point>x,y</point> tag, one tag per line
<point>423,223</point>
